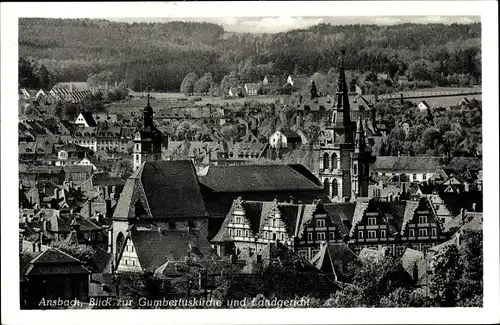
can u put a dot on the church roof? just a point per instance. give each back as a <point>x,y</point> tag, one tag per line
<point>252,178</point>
<point>157,247</point>
<point>166,189</point>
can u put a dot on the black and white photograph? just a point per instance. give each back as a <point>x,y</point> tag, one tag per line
<point>292,157</point>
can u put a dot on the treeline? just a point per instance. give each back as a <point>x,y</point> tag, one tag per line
<point>162,54</point>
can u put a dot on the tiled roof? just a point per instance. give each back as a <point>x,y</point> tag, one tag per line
<point>317,104</point>
<point>251,178</point>
<point>406,163</point>
<point>459,164</point>
<point>334,258</point>
<point>290,134</point>
<point>55,262</point>
<point>294,216</point>
<point>167,189</point>
<point>89,119</point>
<point>413,262</point>
<point>156,247</point>
<point>358,214</point>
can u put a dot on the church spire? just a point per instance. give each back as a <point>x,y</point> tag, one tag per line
<point>342,95</point>
<point>148,112</point>
<point>360,136</point>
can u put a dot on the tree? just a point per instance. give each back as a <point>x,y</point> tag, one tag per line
<point>378,278</point>
<point>187,85</point>
<point>125,168</point>
<point>44,78</point>
<point>27,77</point>
<point>445,275</point>
<point>471,259</point>
<point>84,253</point>
<point>203,84</point>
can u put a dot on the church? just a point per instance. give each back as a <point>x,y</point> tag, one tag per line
<point>344,157</point>
<point>148,140</point>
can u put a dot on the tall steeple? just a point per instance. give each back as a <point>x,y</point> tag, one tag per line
<point>148,140</point>
<point>342,96</point>
<point>148,113</point>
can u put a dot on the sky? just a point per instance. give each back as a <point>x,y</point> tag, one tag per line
<point>276,24</point>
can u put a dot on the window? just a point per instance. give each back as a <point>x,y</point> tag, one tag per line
<point>372,221</point>
<point>230,232</point>
<point>171,225</point>
<point>422,232</point>
<point>238,232</point>
<point>382,233</point>
<point>332,236</point>
<point>400,250</point>
<point>436,206</point>
<point>360,234</point>
<point>320,223</point>
<point>282,236</point>
<point>320,235</point>
<point>246,233</point>
<point>310,236</point>
<point>422,219</point>
<point>237,219</point>
<point>354,169</point>
<point>191,224</point>
<point>414,177</point>
<point>372,234</point>
<point>133,263</point>
<point>424,177</point>
<point>274,236</point>
<point>412,233</point>
<point>434,231</point>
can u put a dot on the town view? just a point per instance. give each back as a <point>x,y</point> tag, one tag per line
<point>182,164</point>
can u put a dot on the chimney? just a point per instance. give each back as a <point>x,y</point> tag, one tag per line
<point>39,244</point>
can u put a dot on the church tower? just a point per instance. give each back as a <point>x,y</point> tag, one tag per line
<point>147,140</point>
<point>360,163</point>
<point>337,144</point>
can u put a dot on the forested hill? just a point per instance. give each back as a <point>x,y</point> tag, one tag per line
<point>161,54</point>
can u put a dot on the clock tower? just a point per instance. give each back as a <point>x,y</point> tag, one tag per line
<point>147,140</point>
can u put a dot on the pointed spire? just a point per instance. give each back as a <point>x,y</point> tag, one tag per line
<point>342,96</point>
<point>360,136</point>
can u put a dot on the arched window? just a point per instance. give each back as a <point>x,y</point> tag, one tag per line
<point>334,161</point>
<point>335,188</point>
<point>355,169</point>
<point>326,186</point>
<point>325,160</point>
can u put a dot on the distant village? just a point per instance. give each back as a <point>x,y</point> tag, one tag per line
<point>101,198</point>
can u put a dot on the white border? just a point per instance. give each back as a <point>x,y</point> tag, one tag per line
<point>9,167</point>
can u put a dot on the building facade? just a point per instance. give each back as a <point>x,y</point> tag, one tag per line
<point>148,140</point>
<point>344,160</point>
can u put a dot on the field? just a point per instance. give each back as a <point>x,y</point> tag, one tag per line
<point>162,101</point>
<point>443,101</point>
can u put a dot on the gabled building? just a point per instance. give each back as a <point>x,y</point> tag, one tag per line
<point>345,158</point>
<point>334,260</point>
<point>423,106</point>
<point>148,140</point>
<point>149,248</point>
<point>297,81</point>
<point>285,138</point>
<point>304,228</point>
<point>85,119</point>
<point>52,275</point>
<point>409,169</point>
<point>163,194</point>
<point>253,89</point>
